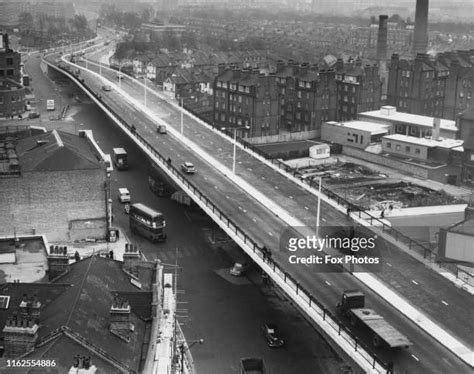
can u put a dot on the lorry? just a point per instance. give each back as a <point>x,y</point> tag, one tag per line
<point>252,365</point>
<point>352,307</point>
<point>120,158</point>
<point>50,104</point>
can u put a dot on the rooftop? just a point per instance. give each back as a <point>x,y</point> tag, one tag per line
<point>389,113</point>
<point>77,305</point>
<point>373,128</point>
<point>427,142</point>
<point>56,150</point>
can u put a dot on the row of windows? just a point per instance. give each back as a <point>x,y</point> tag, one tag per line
<point>8,71</point>
<point>407,148</point>
<point>233,86</point>
<point>13,99</point>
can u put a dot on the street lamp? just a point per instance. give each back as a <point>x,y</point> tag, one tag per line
<point>235,141</point>
<point>182,114</point>
<point>144,80</point>
<point>183,349</point>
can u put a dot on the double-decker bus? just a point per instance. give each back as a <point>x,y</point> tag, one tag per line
<point>147,222</point>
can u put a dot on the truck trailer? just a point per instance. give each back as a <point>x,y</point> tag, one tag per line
<point>352,307</point>
<point>120,158</point>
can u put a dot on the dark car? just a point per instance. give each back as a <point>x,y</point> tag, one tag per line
<point>270,332</point>
<point>33,115</point>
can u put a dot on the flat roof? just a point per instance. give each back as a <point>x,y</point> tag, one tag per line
<point>430,143</point>
<point>413,119</point>
<point>373,128</point>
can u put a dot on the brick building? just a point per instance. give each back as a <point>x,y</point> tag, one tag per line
<point>359,88</point>
<point>295,97</point>
<point>12,93</point>
<point>440,87</point>
<point>246,97</point>
<point>466,129</point>
<point>306,96</point>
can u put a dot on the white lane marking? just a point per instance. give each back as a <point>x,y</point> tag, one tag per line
<point>227,197</point>
<point>414,282</point>
<point>249,169</point>
<point>243,210</point>
<point>327,283</point>
<point>306,208</point>
<point>254,219</point>
<point>389,264</point>
<point>276,187</point>
<point>269,233</point>
<point>291,197</point>
<point>444,302</point>
<point>416,358</point>
<point>323,219</point>
<point>263,177</point>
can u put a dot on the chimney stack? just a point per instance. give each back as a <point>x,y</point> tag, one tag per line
<point>30,307</point>
<point>131,258</point>
<point>20,336</point>
<point>120,318</point>
<point>420,41</point>
<point>58,261</point>
<point>382,38</point>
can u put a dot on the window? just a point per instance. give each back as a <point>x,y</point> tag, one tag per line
<point>299,94</point>
<point>240,99</point>
<point>407,149</point>
<point>217,104</point>
<point>417,151</point>
<point>298,104</point>
<point>4,301</point>
<point>283,91</point>
<point>389,145</point>
<point>397,147</point>
<point>10,72</point>
<point>9,60</point>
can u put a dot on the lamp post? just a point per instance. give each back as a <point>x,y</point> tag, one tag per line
<point>183,349</point>
<point>319,208</point>
<point>120,75</point>
<point>182,114</point>
<point>144,80</point>
<point>235,141</point>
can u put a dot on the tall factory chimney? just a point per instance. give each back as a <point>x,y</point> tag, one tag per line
<point>420,41</point>
<point>382,39</point>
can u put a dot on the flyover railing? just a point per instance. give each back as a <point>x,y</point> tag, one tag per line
<point>318,312</point>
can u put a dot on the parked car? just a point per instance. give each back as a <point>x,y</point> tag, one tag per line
<point>106,88</point>
<point>188,168</point>
<point>33,115</point>
<point>270,332</point>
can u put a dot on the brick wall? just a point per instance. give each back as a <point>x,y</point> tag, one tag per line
<point>48,203</point>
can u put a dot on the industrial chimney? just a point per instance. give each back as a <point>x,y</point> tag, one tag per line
<point>420,42</point>
<point>382,38</point>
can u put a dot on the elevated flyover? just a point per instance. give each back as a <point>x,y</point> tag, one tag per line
<point>257,205</point>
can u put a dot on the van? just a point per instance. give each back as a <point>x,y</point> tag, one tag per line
<point>124,195</point>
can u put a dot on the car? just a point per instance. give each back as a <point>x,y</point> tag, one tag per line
<point>239,268</point>
<point>33,115</point>
<point>188,168</point>
<point>270,332</point>
<point>106,88</point>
